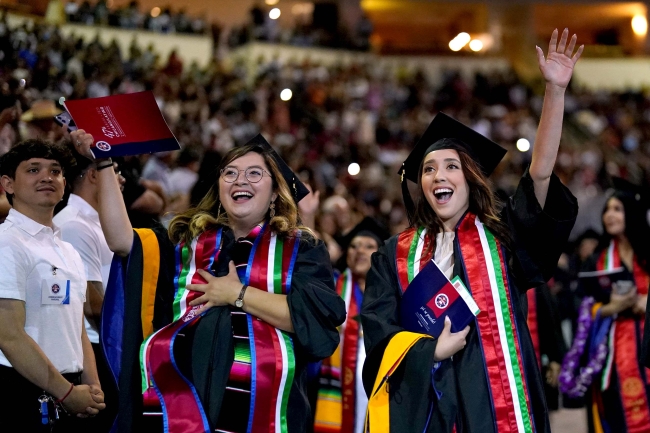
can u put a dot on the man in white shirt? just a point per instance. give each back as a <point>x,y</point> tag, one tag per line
<point>46,359</point>
<point>79,225</point>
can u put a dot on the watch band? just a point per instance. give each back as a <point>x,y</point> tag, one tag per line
<point>239,303</point>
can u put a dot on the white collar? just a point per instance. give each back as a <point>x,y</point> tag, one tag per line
<point>28,225</point>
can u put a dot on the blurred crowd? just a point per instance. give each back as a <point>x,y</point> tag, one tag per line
<point>335,118</point>
<point>161,20</point>
<point>304,32</point>
<point>260,26</point>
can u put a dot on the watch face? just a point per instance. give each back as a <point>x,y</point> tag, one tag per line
<point>239,303</point>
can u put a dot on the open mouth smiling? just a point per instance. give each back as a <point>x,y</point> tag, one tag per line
<point>240,196</point>
<point>443,195</point>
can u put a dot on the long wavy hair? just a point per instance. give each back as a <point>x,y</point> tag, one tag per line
<point>210,214</point>
<point>637,230</point>
<point>482,201</point>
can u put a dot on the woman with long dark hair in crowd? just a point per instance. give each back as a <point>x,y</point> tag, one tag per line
<point>225,309</point>
<point>494,385</point>
<point>614,307</point>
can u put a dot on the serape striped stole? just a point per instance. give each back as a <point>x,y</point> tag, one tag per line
<point>336,404</point>
<point>264,370</point>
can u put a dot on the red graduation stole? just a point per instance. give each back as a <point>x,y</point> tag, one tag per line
<point>623,344</point>
<point>533,323</point>
<point>487,279</point>
<point>335,408</point>
<point>270,267</point>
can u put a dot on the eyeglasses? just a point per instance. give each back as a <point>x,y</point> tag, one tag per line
<point>252,174</point>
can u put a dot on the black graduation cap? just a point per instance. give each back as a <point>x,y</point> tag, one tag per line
<point>445,132</point>
<point>630,190</point>
<point>298,189</point>
<point>367,227</point>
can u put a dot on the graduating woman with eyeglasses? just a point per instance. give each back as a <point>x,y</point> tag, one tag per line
<point>484,378</point>
<point>211,324</point>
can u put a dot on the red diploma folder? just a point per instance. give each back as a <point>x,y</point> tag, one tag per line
<point>129,124</point>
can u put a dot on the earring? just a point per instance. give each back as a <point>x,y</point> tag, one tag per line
<point>272,210</point>
<point>219,211</point>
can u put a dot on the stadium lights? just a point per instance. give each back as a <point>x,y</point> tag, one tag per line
<point>155,12</point>
<point>459,41</point>
<point>286,94</point>
<point>272,2</point>
<point>274,13</point>
<point>523,145</point>
<point>476,45</point>
<point>354,169</point>
<point>640,25</point>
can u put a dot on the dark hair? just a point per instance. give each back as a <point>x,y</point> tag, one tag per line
<point>482,201</point>
<point>637,230</point>
<point>34,148</point>
<point>208,213</point>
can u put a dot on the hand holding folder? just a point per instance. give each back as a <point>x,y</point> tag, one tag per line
<point>431,297</point>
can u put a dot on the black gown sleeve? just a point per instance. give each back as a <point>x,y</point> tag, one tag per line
<point>316,309</point>
<point>163,307</point>
<point>551,342</point>
<point>539,235</point>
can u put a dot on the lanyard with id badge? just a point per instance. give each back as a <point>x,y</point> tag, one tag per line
<point>55,291</point>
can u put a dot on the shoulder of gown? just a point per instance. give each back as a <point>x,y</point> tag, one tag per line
<point>315,307</point>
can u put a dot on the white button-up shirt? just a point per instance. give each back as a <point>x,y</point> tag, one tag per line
<point>33,258</point>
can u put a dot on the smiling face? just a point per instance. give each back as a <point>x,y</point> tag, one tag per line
<point>358,255</point>
<point>246,203</point>
<point>614,217</point>
<point>444,186</point>
<point>38,185</point>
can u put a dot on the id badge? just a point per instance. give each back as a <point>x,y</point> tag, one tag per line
<point>55,292</point>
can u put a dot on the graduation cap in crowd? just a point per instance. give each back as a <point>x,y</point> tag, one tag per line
<point>369,227</point>
<point>445,132</point>
<point>629,190</point>
<point>298,189</point>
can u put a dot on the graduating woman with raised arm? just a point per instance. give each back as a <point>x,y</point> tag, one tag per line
<point>213,322</point>
<point>421,384</point>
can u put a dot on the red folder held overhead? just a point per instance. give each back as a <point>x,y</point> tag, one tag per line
<point>129,124</point>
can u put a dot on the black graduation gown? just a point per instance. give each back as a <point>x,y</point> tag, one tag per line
<point>538,238</point>
<point>206,352</point>
<point>549,334</point>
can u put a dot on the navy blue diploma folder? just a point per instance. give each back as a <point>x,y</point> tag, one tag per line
<point>430,297</point>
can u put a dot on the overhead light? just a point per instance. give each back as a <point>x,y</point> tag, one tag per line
<point>523,145</point>
<point>640,25</point>
<point>463,38</point>
<point>454,45</point>
<point>354,169</point>
<point>274,13</point>
<point>155,12</point>
<point>286,94</point>
<point>459,41</point>
<point>476,45</point>
<point>272,2</point>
